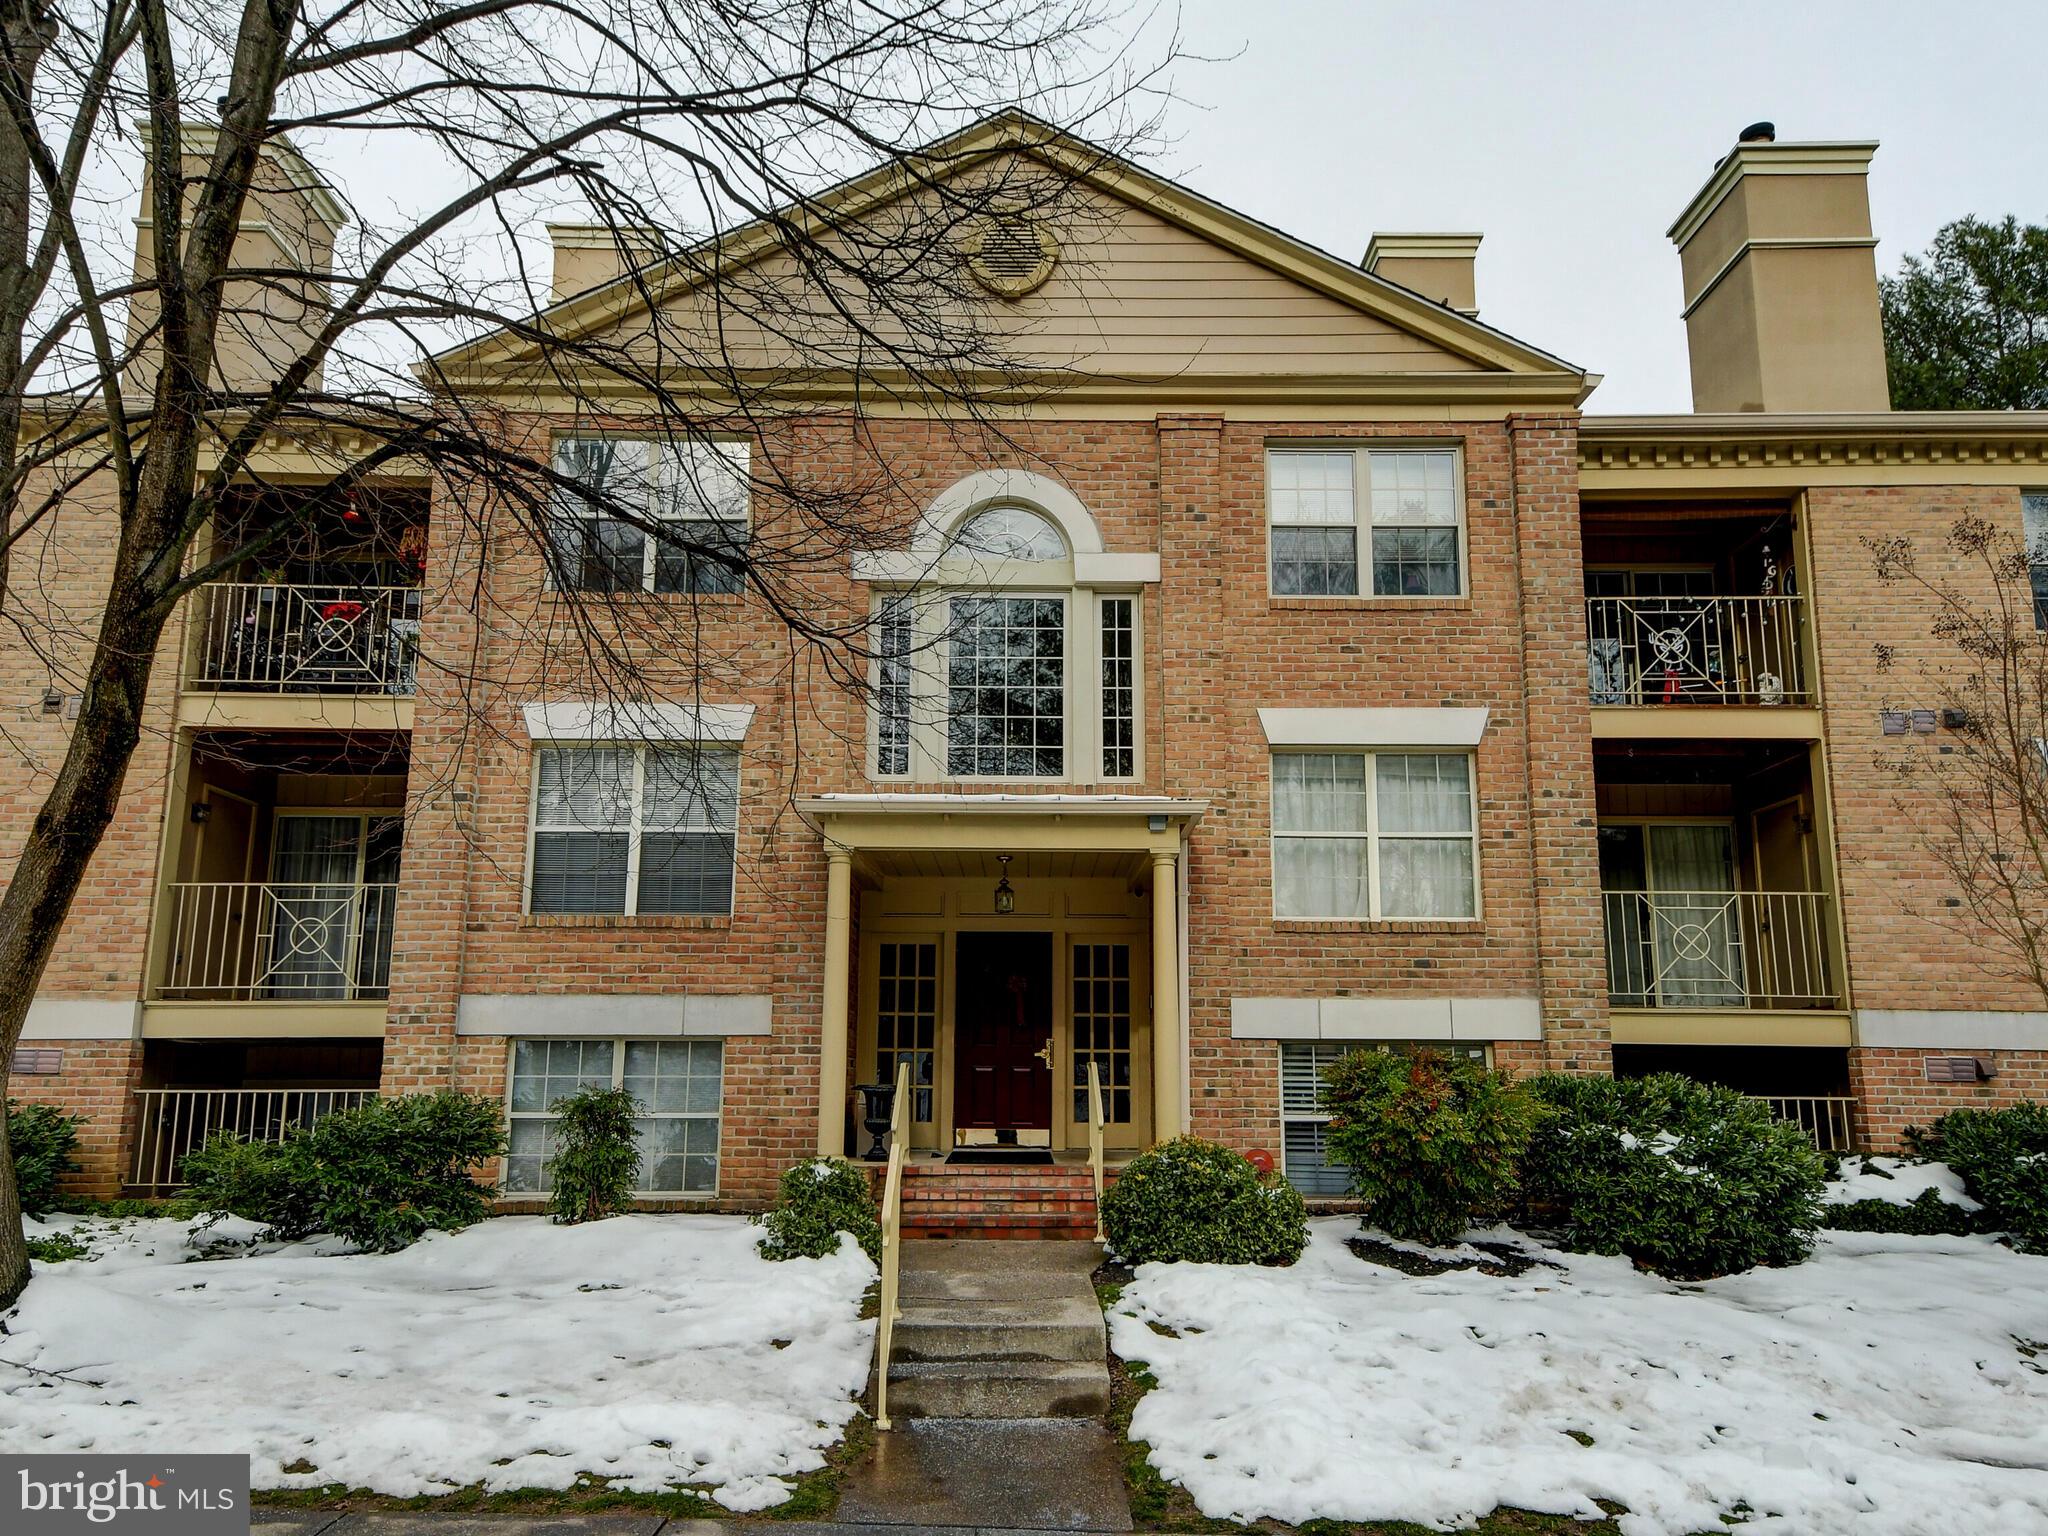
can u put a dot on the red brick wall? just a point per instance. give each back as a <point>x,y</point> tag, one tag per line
<point>98,1080</point>
<point>1893,1093</point>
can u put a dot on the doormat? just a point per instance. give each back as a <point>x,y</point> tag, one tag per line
<point>1030,1156</point>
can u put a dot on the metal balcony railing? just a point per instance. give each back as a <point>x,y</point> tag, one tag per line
<point>1829,1121</point>
<point>268,637</point>
<point>282,942</point>
<point>170,1122</point>
<point>1696,650</point>
<point>1719,949</point>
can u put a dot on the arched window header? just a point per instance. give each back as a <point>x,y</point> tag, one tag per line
<point>963,505</point>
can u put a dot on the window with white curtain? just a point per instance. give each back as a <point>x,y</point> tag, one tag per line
<point>675,1083</point>
<point>634,830</point>
<point>1398,512</point>
<point>1304,1123</point>
<point>1361,835</point>
<point>685,505</point>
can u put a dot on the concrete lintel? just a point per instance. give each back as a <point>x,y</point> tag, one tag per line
<point>1960,1030</point>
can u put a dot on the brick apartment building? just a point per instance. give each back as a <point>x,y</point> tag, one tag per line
<point>1308,672</point>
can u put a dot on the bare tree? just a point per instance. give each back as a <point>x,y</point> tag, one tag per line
<point>1983,806</point>
<point>788,186</point>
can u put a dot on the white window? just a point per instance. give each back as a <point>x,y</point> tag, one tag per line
<point>2034,508</point>
<point>1005,685</point>
<point>617,537</point>
<point>1374,835</point>
<point>634,830</point>
<point>676,1083</point>
<point>1303,1122</point>
<point>1397,510</point>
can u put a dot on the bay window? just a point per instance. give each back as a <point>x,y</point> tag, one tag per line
<point>1398,512</point>
<point>634,830</point>
<point>1363,835</point>
<point>651,516</point>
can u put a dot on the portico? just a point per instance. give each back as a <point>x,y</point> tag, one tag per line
<point>999,1003</point>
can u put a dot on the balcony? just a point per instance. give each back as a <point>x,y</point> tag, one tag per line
<point>171,1122</point>
<point>1657,651</point>
<point>1710,950</point>
<point>238,941</point>
<point>293,638</point>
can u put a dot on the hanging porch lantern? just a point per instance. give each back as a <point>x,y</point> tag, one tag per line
<point>1006,898</point>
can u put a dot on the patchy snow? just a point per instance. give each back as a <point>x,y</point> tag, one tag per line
<point>1895,1180</point>
<point>652,1350</point>
<point>1887,1387</point>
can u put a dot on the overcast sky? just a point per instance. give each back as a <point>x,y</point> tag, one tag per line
<point>1573,133</point>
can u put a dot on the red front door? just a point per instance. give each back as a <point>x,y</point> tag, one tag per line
<point>1002,1020</point>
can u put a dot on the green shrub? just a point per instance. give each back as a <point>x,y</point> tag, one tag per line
<point>262,1181</point>
<point>392,1169</point>
<point>2002,1155</point>
<point>815,1201</point>
<point>596,1161</point>
<point>1925,1215</point>
<point>1191,1201</point>
<point>57,1248</point>
<point>41,1138</point>
<point>1431,1141</point>
<point>1687,1179</point>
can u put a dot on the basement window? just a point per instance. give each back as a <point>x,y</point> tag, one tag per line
<point>677,1084</point>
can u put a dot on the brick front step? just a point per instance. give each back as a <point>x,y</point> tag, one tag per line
<point>973,1200</point>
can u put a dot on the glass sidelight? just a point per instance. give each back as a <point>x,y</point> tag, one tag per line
<point>1102,1028</point>
<point>907,1017</point>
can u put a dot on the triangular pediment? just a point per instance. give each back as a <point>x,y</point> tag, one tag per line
<point>1150,285</point>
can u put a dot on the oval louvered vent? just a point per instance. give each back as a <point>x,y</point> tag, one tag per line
<point>1011,255</point>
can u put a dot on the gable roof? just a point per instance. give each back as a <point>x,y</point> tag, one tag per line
<point>1499,360</point>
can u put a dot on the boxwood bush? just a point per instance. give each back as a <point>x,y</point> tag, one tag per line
<point>1686,1178</point>
<point>1430,1141</point>
<point>1192,1201</point>
<point>41,1139</point>
<point>379,1175</point>
<point>815,1201</point>
<point>2002,1155</point>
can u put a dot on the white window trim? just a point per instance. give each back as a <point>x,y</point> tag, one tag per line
<point>622,722</point>
<point>1081,680</point>
<point>662,452</point>
<point>619,1044</point>
<point>1361,517</point>
<point>1371,837</point>
<point>634,830</point>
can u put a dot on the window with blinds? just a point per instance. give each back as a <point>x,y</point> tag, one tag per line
<point>1302,1120</point>
<point>634,830</point>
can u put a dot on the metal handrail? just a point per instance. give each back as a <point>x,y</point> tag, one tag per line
<point>1696,650</point>
<point>170,1122</point>
<point>1829,1120</point>
<point>1719,949</point>
<point>282,637</point>
<point>1095,1129</point>
<point>282,940</point>
<point>892,1244</point>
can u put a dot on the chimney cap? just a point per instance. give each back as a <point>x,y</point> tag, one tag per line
<point>1758,133</point>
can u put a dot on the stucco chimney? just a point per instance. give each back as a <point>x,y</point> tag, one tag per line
<point>1437,266</point>
<point>289,223</point>
<point>587,255</point>
<point>1780,267</point>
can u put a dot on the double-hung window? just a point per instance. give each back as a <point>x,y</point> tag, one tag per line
<point>1304,1124</point>
<point>1343,516</point>
<point>649,516</point>
<point>634,830</point>
<point>2034,512</point>
<point>1362,835</point>
<point>675,1083</point>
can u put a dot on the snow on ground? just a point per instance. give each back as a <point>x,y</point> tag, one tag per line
<point>1896,1181</point>
<point>654,1350</point>
<point>1885,1387</point>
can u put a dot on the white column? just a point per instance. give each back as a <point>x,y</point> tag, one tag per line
<point>832,1015</point>
<point>1166,1062</point>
